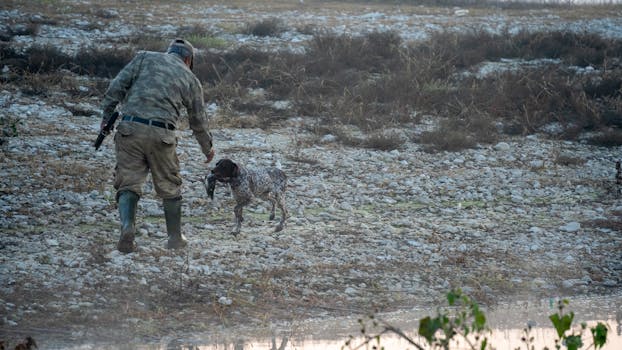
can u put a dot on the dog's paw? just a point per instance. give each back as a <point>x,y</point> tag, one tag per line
<point>279,228</point>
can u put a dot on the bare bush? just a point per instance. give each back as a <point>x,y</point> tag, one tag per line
<point>47,58</point>
<point>147,43</point>
<point>568,160</point>
<point>385,140</point>
<point>376,81</point>
<point>376,52</point>
<point>267,27</point>
<point>534,98</point>
<point>29,29</point>
<point>611,138</point>
<point>451,135</point>
<point>104,63</point>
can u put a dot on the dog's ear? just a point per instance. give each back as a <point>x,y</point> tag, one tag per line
<point>236,169</point>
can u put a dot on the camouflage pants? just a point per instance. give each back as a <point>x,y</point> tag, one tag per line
<point>142,148</point>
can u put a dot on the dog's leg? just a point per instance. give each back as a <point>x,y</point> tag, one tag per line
<point>280,199</point>
<point>238,215</point>
<point>273,209</point>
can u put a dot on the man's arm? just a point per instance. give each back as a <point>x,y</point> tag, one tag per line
<point>198,122</point>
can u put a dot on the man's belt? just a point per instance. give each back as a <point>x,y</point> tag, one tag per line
<point>130,118</point>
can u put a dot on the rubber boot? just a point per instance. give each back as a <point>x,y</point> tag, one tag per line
<point>172,214</point>
<point>128,202</point>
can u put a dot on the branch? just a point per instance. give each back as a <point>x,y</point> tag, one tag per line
<point>389,328</point>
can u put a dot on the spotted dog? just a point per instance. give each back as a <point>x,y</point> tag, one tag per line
<point>266,183</point>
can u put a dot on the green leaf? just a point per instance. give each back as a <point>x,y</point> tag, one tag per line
<point>428,328</point>
<point>573,342</point>
<point>562,324</point>
<point>484,343</point>
<point>599,334</point>
<point>451,297</point>
<point>480,320</point>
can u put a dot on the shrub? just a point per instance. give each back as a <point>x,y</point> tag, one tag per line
<point>267,27</point>
<point>47,58</point>
<point>376,81</point>
<point>451,135</point>
<point>611,138</point>
<point>146,43</point>
<point>568,160</point>
<point>465,323</point>
<point>8,126</point>
<point>376,52</point>
<point>581,49</point>
<point>31,29</point>
<point>385,140</point>
<point>446,140</point>
<point>534,98</point>
<point>104,63</point>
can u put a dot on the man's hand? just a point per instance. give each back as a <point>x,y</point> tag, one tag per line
<point>210,156</point>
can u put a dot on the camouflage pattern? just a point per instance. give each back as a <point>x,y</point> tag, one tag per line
<point>156,86</point>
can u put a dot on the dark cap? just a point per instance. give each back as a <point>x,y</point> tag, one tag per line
<point>181,47</point>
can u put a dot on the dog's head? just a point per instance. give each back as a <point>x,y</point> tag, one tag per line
<point>225,170</point>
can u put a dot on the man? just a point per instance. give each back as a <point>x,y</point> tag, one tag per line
<point>152,90</point>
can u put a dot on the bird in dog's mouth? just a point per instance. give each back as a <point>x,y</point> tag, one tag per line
<point>210,184</point>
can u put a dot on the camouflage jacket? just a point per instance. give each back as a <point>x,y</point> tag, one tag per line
<point>158,86</point>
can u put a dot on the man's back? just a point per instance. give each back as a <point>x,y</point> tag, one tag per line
<point>161,86</point>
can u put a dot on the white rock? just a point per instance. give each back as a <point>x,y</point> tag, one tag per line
<point>52,242</point>
<point>225,301</point>
<point>502,146</point>
<point>571,227</point>
<point>350,291</point>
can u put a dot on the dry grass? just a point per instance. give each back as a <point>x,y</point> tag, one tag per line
<point>267,27</point>
<point>376,81</point>
<point>613,222</point>
<point>53,172</point>
<point>562,8</point>
<point>448,137</point>
<point>568,160</point>
<point>611,138</point>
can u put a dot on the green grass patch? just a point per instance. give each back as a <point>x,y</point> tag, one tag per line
<point>207,42</point>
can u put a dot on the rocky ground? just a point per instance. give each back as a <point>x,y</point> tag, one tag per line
<point>528,218</point>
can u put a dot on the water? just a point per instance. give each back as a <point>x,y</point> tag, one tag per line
<point>508,323</point>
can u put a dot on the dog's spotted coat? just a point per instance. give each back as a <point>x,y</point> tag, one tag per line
<point>267,183</point>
